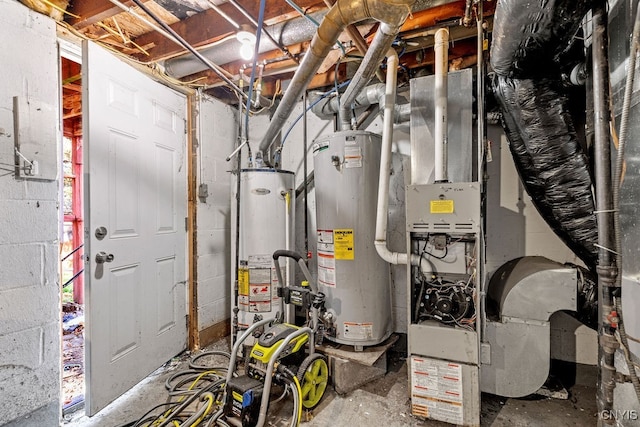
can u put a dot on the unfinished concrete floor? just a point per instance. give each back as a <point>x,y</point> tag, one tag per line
<point>384,402</point>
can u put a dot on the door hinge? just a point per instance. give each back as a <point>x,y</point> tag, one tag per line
<point>186,223</point>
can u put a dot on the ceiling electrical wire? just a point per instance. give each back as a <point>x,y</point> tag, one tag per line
<point>223,74</point>
<point>320,98</point>
<point>262,29</point>
<point>220,12</point>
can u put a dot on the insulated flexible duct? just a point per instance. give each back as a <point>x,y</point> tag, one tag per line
<point>529,38</point>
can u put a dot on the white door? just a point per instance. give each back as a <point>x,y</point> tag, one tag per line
<point>135,209</point>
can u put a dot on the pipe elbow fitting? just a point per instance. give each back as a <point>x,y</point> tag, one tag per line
<point>390,12</point>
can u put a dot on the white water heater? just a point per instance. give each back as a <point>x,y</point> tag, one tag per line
<point>353,277</point>
<point>267,209</point>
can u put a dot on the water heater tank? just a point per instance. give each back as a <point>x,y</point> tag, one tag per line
<point>267,207</point>
<point>353,277</point>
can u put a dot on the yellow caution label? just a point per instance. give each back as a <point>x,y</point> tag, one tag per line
<point>343,244</point>
<point>441,206</point>
<point>243,281</point>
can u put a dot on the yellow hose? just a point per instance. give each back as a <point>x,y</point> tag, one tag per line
<point>295,380</point>
<point>209,397</point>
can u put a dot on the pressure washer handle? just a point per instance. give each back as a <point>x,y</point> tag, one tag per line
<point>301,262</point>
<point>285,253</point>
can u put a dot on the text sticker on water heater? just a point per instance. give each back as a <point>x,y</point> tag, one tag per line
<point>441,206</point>
<point>343,243</point>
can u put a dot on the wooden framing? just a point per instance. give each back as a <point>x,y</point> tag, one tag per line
<point>192,211</point>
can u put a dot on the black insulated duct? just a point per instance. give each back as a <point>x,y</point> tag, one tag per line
<point>529,38</point>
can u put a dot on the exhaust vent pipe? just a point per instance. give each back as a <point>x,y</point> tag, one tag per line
<point>391,13</point>
<point>441,48</point>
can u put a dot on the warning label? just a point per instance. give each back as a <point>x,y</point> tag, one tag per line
<point>326,266</point>
<point>260,276</point>
<point>243,281</point>
<point>441,206</point>
<point>358,331</point>
<point>436,390</point>
<point>326,258</point>
<point>343,239</point>
<point>255,284</point>
<point>352,157</point>
<point>259,261</point>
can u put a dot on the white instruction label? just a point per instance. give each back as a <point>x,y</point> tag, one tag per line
<point>358,331</point>
<point>436,390</point>
<point>260,261</point>
<point>326,258</point>
<point>352,157</point>
<point>325,236</point>
<point>260,276</point>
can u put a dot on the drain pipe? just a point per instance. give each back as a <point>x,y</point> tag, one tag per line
<point>385,166</point>
<point>390,12</point>
<point>440,129</point>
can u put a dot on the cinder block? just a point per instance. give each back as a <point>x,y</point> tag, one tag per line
<point>27,221</point>
<point>212,241</point>
<point>22,266</point>
<point>213,265</point>
<point>28,307</point>
<point>212,289</point>
<point>214,312</point>
<point>23,348</point>
<point>347,375</point>
<point>51,264</point>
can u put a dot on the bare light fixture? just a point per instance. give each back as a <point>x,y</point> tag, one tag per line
<point>247,41</point>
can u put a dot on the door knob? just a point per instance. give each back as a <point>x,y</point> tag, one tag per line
<point>102,257</point>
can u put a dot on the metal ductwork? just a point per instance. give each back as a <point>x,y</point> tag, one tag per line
<point>370,95</point>
<point>526,292</point>
<point>372,59</point>
<point>391,13</point>
<point>297,30</point>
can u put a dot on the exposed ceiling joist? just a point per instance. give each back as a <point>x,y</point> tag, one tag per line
<point>92,11</point>
<point>208,26</point>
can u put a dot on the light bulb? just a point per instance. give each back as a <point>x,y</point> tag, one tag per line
<point>247,41</point>
<point>246,51</point>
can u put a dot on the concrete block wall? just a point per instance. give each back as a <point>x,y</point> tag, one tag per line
<point>216,138</point>
<point>29,276</point>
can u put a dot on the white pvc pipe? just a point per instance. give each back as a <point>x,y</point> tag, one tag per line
<point>440,132</point>
<point>385,167</point>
